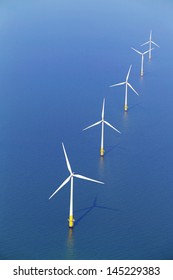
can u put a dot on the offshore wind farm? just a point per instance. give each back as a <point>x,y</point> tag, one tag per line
<point>57,62</point>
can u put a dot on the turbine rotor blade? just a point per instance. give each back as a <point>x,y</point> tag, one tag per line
<point>112,126</point>
<point>67,161</point>
<point>61,186</point>
<point>119,84</point>
<point>145,43</point>
<point>92,125</point>
<point>150,34</point>
<point>136,51</point>
<point>86,178</point>
<point>128,72</point>
<point>103,108</point>
<point>155,44</point>
<point>148,51</point>
<point>132,88</point>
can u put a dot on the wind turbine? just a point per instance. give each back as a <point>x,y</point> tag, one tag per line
<point>142,59</point>
<point>102,132</point>
<point>70,178</point>
<point>127,84</point>
<point>150,42</point>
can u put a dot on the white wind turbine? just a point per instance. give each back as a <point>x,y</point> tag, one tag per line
<point>102,121</point>
<point>142,59</point>
<point>150,42</point>
<point>70,178</point>
<point>127,84</point>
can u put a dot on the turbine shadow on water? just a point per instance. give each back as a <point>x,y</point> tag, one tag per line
<point>89,209</point>
<point>111,148</point>
<point>136,105</point>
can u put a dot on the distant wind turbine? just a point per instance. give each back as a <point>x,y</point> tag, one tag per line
<point>102,121</point>
<point>150,42</point>
<point>70,178</point>
<point>127,84</point>
<point>142,59</point>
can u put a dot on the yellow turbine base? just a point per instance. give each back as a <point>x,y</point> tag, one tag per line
<point>125,108</point>
<point>71,221</point>
<point>102,152</point>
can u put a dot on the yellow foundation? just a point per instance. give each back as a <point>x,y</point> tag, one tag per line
<point>102,152</point>
<point>71,221</point>
<point>125,108</point>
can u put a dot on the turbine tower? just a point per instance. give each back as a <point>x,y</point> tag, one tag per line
<point>70,178</point>
<point>102,131</point>
<point>150,42</point>
<point>142,59</point>
<point>126,88</point>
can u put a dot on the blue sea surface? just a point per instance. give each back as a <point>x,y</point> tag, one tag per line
<point>57,61</point>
